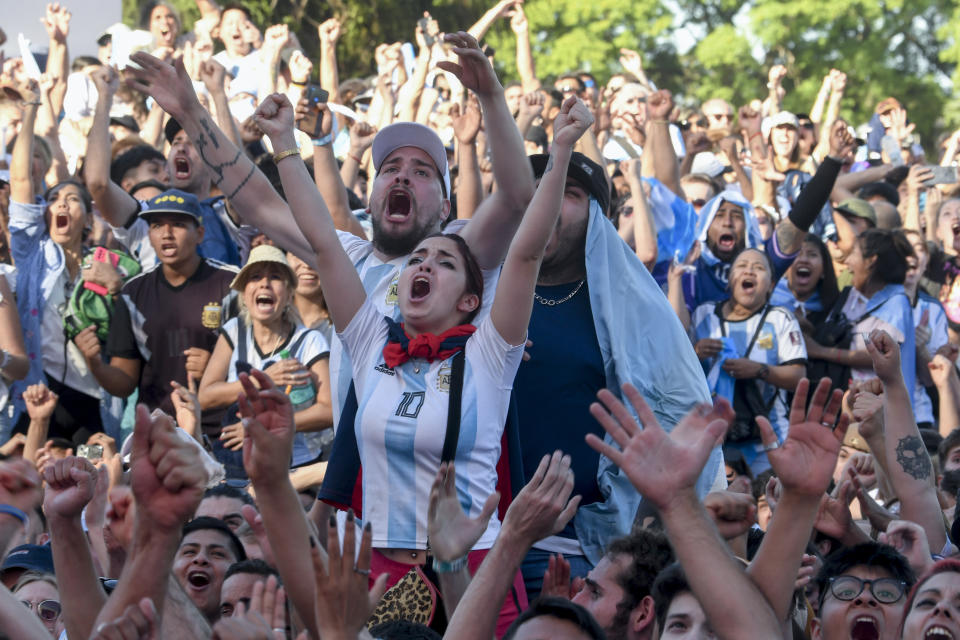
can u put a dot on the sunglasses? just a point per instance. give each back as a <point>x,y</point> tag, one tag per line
<point>47,610</point>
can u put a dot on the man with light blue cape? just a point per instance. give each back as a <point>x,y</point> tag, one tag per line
<point>600,320</point>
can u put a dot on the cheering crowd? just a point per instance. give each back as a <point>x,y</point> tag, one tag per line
<point>429,354</point>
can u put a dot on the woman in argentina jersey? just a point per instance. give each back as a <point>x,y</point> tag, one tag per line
<point>745,341</point>
<point>403,401</point>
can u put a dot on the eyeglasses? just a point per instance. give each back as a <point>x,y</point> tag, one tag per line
<point>885,590</point>
<point>47,610</point>
<point>570,89</point>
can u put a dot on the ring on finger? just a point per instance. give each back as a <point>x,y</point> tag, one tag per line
<point>771,446</point>
<point>363,572</point>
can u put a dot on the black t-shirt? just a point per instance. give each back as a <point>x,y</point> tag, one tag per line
<point>555,387</point>
<point>159,321</point>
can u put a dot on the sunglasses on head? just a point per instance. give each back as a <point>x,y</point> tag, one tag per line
<point>47,610</point>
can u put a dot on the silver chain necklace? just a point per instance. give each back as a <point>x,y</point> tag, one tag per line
<point>553,303</point>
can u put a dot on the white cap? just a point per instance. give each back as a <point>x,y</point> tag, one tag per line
<point>772,122</point>
<point>411,134</point>
<point>706,162</point>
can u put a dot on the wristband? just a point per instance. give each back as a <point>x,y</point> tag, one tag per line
<point>754,134</point>
<point>298,84</point>
<point>277,157</point>
<point>349,155</point>
<point>10,510</point>
<point>449,567</point>
<point>324,141</point>
<point>764,372</point>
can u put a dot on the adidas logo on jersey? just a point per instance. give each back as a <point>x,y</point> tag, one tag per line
<point>383,368</point>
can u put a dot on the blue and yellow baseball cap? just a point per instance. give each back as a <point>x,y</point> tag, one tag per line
<point>174,201</point>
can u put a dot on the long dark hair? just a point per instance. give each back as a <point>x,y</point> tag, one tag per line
<point>891,249</point>
<point>827,287</point>
<point>471,267</point>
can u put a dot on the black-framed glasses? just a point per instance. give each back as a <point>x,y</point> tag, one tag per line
<point>47,610</point>
<point>885,590</point>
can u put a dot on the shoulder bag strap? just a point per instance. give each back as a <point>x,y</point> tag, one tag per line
<point>453,409</point>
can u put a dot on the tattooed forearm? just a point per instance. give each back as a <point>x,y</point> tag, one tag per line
<point>549,165</point>
<point>253,168</point>
<point>216,168</point>
<point>210,132</point>
<point>912,457</point>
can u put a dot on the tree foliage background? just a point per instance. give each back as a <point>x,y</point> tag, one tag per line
<point>696,48</point>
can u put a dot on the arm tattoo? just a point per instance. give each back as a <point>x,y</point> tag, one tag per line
<point>549,165</point>
<point>209,131</point>
<point>789,237</point>
<point>217,168</point>
<point>253,168</point>
<point>912,457</point>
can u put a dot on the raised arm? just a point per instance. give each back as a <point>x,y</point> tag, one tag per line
<point>642,225</point>
<point>267,444</point>
<point>466,126</point>
<point>21,182</point>
<point>168,479</point>
<point>329,32</point>
<point>494,223</point>
<point>114,204</point>
<point>909,467</point>
<point>664,468</point>
<point>497,11</point>
<point>804,464</point>
<point>514,298</point>
<point>213,75</point>
<point>70,487</point>
<point>542,508</point>
<point>944,374</point>
<point>249,191</point>
<point>409,94</point>
<point>659,158</point>
<point>525,64</point>
<point>793,229</point>
<point>338,277</point>
<point>57,24</point>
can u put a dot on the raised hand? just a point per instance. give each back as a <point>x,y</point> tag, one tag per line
<point>329,31</point>
<point>750,120</point>
<point>70,485</point>
<point>805,461</point>
<point>305,108</point>
<point>473,70</point>
<point>255,521</point>
<point>300,67</point>
<point>268,600</point>
<point>345,598</point>
<point>572,122</point>
<point>868,411</point>
<point>899,128</point>
<point>532,104</point>
<point>466,125</point>
<point>275,38</point>
<point>197,360</point>
<point>838,81</point>
<point>138,622</point>
<point>909,539</point>
<point>659,105</point>
<point>631,62</point>
<point>186,405</point>
<point>842,142</point>
<point>833,515</point>
<point>213,75</point>
<point>451,532</point>
<point>268,422</point>
<point>776,74</point>
<point>274,116</point>
<point>40,401</point>
<point>232,436</point>
<point>169,85</point>
<point>57,22</point>
<point>941,369</point>
<point>733,513</point>
<point>361,137</point>
<point>885,354</point>
<point>544,506</point>
<point>166,473</point>
<point>659,464</point>
<point>121,510</point>
<point>106,79</point>
<point>518,21</point>
<point>556,579</point>
<point>19,484</point>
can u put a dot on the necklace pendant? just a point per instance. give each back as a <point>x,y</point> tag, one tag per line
<point>416,369</point>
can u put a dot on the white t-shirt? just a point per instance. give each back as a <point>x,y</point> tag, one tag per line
<point>402,421</point>
<point>306,345</point>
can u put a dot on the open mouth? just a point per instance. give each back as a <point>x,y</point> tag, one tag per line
<point>264,302</point>
<point>168,249</point>
<point>864,628</point>
<point>727,242</point>
<point>748,285</point>
<point>802,274</point>
<point>937,631</point>
<point>420,288</point>
<point>181,168</point>
<point>62,221</point>
<point>398,205</point>
<point>198,580</point>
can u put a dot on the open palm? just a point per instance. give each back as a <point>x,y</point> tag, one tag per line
<point>452,533</point>
<point>805,461</point>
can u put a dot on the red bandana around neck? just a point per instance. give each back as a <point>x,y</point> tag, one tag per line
<point>400,347</point>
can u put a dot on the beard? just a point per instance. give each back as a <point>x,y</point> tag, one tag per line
<point>399,243</point>
<point>726,256</point>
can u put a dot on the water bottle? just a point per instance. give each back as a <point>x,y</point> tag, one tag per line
<point>303,395</point>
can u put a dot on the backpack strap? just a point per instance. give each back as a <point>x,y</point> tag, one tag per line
<point>453,410</point>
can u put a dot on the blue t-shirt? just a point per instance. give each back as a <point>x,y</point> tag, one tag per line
<point>709,282</point>
<point>554,389</point>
